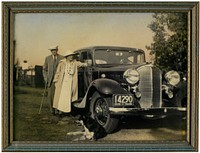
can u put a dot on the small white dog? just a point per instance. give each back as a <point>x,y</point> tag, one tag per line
<point>86,133</point>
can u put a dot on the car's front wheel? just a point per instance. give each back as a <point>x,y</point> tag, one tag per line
<point>100,112</point>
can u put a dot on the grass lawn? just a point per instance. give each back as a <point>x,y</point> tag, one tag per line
<point>29,125</point>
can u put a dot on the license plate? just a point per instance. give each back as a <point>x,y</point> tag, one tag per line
<point>120,100</point>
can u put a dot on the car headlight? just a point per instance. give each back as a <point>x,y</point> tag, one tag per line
<point>172,77</point>
<point>131,76</point>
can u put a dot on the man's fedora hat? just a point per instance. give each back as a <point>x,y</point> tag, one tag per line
<point>53,48</point>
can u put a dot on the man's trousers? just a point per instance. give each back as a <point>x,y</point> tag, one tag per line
<point>51,91</point>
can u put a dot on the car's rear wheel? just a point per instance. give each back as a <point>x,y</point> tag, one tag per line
<point>100,112</point>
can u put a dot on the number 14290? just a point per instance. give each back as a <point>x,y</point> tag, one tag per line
<point>123,99</point>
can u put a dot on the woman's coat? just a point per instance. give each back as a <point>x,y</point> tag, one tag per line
<point>66,84</point>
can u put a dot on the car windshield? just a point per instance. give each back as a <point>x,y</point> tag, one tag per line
<point>117,57</point>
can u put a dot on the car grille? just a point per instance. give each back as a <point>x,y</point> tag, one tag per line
<point>150,86</point>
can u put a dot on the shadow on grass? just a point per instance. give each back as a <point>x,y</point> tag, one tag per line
<point>29,125</point>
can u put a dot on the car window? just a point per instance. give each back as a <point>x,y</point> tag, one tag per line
<point>140,58</point>
<point>131,58</point>
<point>103,56</point>
<point>99,61</point>
<point>86,57</point>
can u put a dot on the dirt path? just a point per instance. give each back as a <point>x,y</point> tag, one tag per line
<point>137,129</point>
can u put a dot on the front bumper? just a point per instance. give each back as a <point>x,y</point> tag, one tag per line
<point>147,111</point>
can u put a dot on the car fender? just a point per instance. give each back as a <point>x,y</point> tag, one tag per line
<point>103,86</point>
<point>108,86</point>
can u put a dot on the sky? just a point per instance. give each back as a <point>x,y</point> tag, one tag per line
<point>34,33</point>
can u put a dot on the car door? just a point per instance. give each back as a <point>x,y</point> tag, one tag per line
<point>84,73</point>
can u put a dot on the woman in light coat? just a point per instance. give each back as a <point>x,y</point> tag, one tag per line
<point>66,83</point>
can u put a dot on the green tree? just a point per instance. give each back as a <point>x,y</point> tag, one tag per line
<point>170,42</point>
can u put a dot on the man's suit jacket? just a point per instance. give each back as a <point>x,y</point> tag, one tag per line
<point>49,69</point>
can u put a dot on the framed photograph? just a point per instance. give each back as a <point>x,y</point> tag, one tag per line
<point>100,76</point>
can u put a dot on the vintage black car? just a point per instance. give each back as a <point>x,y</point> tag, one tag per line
<point>118,81</point>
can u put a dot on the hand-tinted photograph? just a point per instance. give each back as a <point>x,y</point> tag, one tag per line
<point>123,74</point>
<point>101,77</point>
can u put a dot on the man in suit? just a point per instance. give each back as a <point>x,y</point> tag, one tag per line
<point>49,70</point>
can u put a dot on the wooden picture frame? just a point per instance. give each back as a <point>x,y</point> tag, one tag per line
<point>10,9</point>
